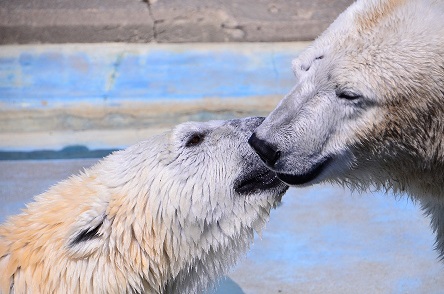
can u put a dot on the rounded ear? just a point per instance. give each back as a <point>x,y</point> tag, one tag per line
<point>86,235</point>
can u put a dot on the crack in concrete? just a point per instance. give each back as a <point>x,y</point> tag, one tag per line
<point>150,11</point>
<point>113,75</point>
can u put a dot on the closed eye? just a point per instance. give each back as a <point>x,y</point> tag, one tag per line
<point>348,95</point>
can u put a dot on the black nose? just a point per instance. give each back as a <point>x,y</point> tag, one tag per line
<point>267,152</point>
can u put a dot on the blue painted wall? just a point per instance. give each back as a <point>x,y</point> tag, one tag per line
<point>51,75</point>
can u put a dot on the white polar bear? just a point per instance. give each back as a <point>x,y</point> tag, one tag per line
<point>368,106</point>
<point>167,215</point>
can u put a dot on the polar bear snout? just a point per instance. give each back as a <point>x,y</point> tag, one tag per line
<point>266,151</point>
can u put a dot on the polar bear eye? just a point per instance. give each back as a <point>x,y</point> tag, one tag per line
<point>348,95</point>
<point>194,140</point>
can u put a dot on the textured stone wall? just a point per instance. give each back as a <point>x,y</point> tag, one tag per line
<point>169,21</point>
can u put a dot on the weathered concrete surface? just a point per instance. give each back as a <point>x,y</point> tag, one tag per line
<point>253,21</point>
<point>320,240</point>
<point>83,21</point>
<point>114,127</point>
<point>129,114</point>
<point>58,75</point>
<point>80,21</point>
<point>53,96</point>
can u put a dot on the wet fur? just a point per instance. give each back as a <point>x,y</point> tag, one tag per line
<point>159,217</point>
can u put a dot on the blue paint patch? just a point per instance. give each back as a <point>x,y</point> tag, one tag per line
<point>57,76</point>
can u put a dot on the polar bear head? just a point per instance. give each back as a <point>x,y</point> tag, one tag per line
<point>368,103</point>
<point>192,197</point>
<point>169,214</point>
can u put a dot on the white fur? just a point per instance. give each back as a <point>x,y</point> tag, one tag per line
<point>389,56</point>
<point>167,218</point>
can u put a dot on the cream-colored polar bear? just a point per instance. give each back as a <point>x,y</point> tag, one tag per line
<point>368,105</point>
<point>168,215</point>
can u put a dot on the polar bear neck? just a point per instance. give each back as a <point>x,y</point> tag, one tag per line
<point>188,257</point>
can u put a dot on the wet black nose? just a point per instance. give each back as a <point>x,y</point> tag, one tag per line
<point>267,152</point>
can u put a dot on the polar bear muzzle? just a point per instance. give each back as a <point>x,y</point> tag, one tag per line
<point>258,180</point>
<point>313,173</point>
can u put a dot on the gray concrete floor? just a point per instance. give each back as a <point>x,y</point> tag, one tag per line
<point>320,240</point>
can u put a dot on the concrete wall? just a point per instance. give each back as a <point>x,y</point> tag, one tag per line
<point>112,95</point>
<point>170,21</point>
<point>105,74</point>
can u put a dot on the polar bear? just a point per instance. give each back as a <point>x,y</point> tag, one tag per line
<point>167,215</point>
<point>367,108</point>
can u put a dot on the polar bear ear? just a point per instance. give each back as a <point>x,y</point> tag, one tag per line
<point>86,235</point>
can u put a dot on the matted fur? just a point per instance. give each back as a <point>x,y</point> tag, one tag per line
<point>368,105</point>
<point>162,216</point>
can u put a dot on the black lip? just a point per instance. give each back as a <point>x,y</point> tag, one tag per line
<point>301,179</point>
<point>257,181</point>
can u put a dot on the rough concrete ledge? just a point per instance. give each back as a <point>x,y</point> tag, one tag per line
<point>113,127</point>
<point>170,21</point>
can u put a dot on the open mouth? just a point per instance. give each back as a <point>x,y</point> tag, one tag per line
<point>257,181</point>
<point>314,172</point>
